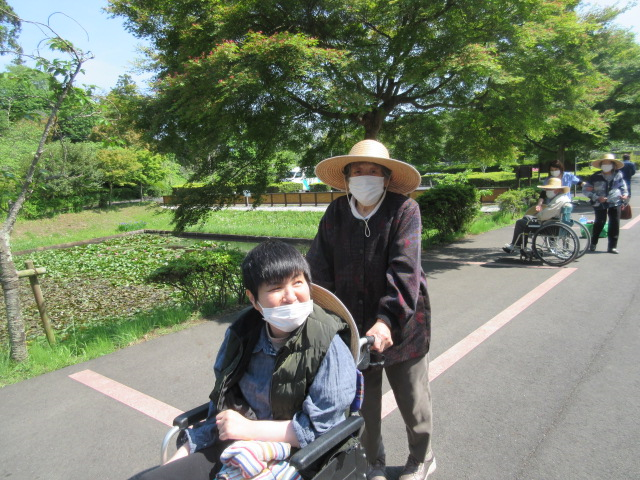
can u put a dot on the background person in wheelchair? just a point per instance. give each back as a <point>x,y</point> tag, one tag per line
<point>557,195</point>
<point>556,170</point>
<point>283,373</point>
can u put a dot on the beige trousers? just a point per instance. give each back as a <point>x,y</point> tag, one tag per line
<point>409,381</point>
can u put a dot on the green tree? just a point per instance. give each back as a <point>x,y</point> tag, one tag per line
<point>592,118</point>
<point>68,180</point>
<point>241,80</point>
<point>62,76</point>
<point>619,58</point>
<point>154,169</point>
<point>122,120</point>
<point>24,93</point>
<point>119,166</point>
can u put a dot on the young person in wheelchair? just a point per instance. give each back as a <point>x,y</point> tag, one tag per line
<point>282,374</point>
<point>557,195</point>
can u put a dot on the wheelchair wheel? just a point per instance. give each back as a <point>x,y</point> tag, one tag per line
<point>583,235</point>
<point>555,244</point>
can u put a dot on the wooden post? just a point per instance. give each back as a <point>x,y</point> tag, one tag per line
<point>37,293</point>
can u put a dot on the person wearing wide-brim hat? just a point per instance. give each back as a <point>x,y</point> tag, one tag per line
<point>368,252</point>
<point>556,170</point>
<point>404,178</point>
<point>607,191</point>
<point>556,193</point>
<point>608,158</point>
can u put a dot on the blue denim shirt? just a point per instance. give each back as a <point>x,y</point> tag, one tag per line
<point>330,394</point>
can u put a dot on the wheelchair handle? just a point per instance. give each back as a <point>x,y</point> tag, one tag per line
<point>365,361</point>
<point>368,340</point>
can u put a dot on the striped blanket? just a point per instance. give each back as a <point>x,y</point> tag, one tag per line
<point>257,460</point>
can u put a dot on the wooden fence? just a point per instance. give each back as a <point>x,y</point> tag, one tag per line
<point>323,198</point>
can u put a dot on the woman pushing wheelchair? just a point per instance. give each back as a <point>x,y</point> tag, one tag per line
<point>558,197</point>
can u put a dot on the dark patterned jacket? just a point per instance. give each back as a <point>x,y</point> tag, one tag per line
<point>380,276</point>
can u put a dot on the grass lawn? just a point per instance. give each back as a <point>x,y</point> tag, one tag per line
<point>74,227</point>
<point>88,332</point>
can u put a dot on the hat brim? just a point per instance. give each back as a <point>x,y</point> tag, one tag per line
<point>404,177</point>
<point>327,300</point>
<point>618,164</point>
<point>565,188</point>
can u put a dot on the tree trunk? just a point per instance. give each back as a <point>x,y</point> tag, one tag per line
<point>141,195</point>
<point>8,273</point>
<point>561,153</point>
<point>11,290</point>
<point>372,123</point>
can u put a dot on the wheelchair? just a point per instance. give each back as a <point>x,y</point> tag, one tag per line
<point>580,229</point>
<point>555,242</point>
<point>336,455</point>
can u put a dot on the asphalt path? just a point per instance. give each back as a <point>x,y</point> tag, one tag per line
<point>534,376</point>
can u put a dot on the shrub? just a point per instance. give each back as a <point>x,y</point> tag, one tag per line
<point>42,205</point>
<point>205,276</point>
<point>319,187</point>
<point>517,201</point>
<point>492,179</point>
<point>448,208</point>
<point>284,187</point>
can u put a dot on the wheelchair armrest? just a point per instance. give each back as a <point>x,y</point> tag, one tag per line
<point>191,417</point>
<point>181,422</point>
<point>305,457</point>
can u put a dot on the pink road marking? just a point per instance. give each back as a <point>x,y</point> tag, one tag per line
<point>630,223</point>
<point>165,413</point>
<point>139,401</point>
<point>475,338</point>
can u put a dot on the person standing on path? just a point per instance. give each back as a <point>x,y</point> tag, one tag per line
<point>368,252</point>
<point>568,179</point>
<point>606,190</point>
<point>628,170</point>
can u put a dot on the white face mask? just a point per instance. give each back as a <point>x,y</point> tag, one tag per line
<point>606,168</point>
<point>287,317</point>
<point>550,194</point>
<point>555,173</point>
<point>367,189</point>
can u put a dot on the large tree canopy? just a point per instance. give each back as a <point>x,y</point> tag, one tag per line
<point>242,79</point>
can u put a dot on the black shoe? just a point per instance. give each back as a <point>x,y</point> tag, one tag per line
<point>592,247</point>
<point>613,250</point>
<point>508,248</point>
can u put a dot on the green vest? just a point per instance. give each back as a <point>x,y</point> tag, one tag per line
<point>296,365</point>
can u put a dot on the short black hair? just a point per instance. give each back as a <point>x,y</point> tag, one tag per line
<point>626,156</point>
<point>557,164</point>
<point>272,261</point>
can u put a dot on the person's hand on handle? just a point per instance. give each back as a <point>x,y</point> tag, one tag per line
<point>382,334</point>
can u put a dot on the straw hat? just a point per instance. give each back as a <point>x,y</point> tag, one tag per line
<point>611,157</point>
<point>327,300</point>
<point>555,184</point>
<point>404,177</point>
